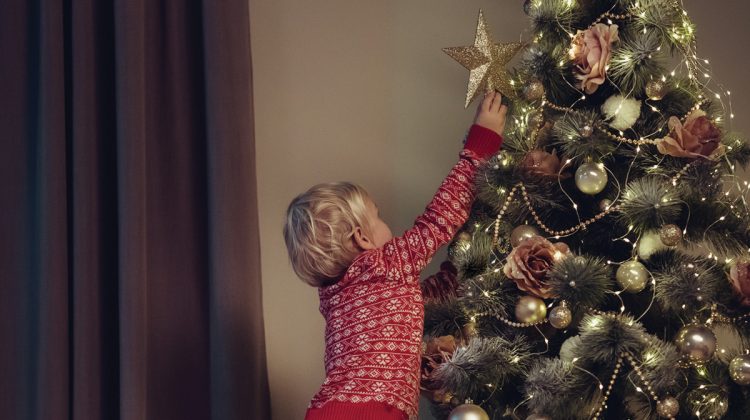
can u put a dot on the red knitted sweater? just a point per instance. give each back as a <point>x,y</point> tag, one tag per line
<point>375,314</point>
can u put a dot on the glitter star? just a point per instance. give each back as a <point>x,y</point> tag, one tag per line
<point>486,62</point>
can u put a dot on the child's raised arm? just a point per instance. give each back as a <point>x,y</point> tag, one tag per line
<point>408,254</point>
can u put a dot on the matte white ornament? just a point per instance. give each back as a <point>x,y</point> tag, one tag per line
<point>621,112</point>
<point>649,243</point>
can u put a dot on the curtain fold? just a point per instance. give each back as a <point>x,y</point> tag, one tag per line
<point>129,250</point>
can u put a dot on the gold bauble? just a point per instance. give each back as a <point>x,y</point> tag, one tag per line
<point>533,91</point>
<point>560,316</point>
<point>670,235</point>
<point>468,412</point>
<point>668,407</point>
<point>632,276</point>
<point>697,342</point>
<point>739,369</point>
<point>530,310</point>
<point>522,232</point>
<point>486,62</point>
<point>656,89</point>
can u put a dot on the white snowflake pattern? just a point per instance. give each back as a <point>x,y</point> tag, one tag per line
<point>378,387</point>
<point>382,359</point>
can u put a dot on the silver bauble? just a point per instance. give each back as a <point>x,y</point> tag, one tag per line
<point>632,276</point>
<point>739,369</point>
<point>560,316</point>
<point>591,178</point>
<point>468,412</point>
<point>697,342</point>
<point>670,235</point>
<point>668,407</point>
<point>530,309</point>
<point>522,232</point>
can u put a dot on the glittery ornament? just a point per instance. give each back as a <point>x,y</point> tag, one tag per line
<point>530,310</point>
<point>468,412</point>
<point>586,131</point>
<point>591,178</point>
<point>656,89</point>
<point>670,235</point>
<point>668,407</point>
<point>560,316</point>
<point>486,62</point>
<point>533,91</point>
<point>536,119</point>
<point>697,342</point>
<point>470,329</point>
<point>739,369</point>
<point>522,232</point>
<point>632,276</point>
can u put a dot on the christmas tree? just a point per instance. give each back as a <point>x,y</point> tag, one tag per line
<point>604,271</point>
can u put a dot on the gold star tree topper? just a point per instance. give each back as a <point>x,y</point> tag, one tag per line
<point>486,62</point>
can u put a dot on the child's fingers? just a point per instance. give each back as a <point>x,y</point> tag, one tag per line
<point>503,110</point>
<point>496,102</point>
<point>487,101</point>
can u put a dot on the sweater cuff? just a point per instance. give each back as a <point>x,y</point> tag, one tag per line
<point>483,141</point>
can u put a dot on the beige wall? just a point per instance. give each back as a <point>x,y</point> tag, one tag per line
<point>360,91</point>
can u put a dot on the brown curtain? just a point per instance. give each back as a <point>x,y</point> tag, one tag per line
<point>129,251</point>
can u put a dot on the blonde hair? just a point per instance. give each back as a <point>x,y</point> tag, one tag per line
<point>318,231</point>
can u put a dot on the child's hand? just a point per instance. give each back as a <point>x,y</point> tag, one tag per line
<point>491,112</point>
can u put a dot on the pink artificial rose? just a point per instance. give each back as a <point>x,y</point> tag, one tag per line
<point>591,52</point>
<point>541,163</point>
<point>529,263</point>
<point>739,276</point>
<point>697,138</point>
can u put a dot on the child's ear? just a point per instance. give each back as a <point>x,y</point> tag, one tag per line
<point>362,240</point>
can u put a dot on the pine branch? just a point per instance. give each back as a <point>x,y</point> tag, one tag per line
<point>605,338</point>
<point>581,280</point>
<point>687,284</point>
<point>482,361</point>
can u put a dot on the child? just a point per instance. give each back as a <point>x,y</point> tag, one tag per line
<point>368,281</point>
